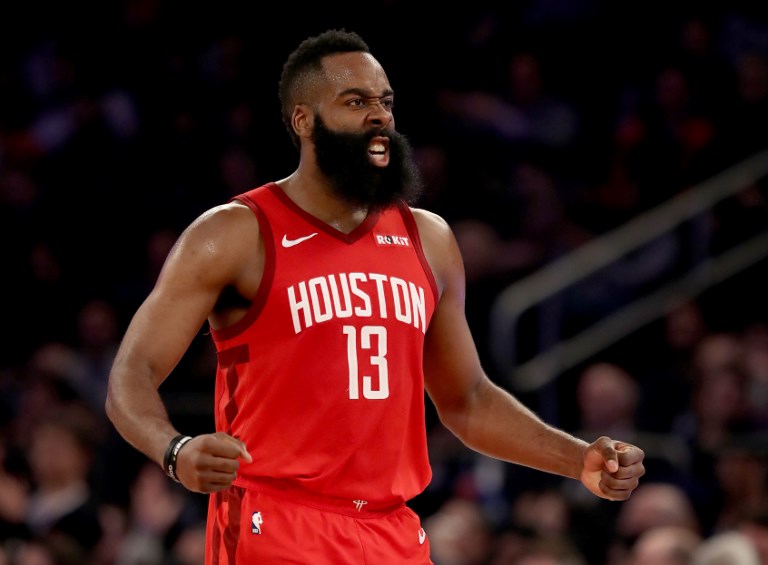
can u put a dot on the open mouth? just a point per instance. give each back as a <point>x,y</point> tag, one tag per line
<point>378,150</point>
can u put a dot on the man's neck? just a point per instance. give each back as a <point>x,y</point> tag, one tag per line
<point>314,195</point>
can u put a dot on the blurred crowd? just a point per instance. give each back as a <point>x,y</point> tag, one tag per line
<point>538,128</point>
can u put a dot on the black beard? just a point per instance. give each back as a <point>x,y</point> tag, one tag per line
<point>344,159</point>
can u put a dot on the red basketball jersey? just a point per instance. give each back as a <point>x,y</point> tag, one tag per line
<point>322,379</point>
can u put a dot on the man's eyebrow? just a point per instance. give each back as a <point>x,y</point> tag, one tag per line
<point>366,93</point>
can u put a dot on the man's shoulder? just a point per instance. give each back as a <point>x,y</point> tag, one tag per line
<point>428,220</point>
<point>231,221</point>
<point>232,211</point>
<point>251,193</point>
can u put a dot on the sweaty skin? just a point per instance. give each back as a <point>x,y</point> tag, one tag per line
<point>216,254</point>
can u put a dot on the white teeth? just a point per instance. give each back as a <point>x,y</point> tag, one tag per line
<point>377,148</point>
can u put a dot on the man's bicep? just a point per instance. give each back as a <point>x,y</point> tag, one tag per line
<point>158,335</point>
<point>452,369</point>
<point>173,313</point>
<point>451,364</point>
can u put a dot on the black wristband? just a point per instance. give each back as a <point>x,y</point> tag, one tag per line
<point>169,460</point>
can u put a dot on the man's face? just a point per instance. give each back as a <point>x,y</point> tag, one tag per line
<point>344,158</point>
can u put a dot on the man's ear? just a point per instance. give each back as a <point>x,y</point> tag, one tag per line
<point>302,120</point>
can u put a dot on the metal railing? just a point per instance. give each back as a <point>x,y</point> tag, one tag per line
<point>556,354</point>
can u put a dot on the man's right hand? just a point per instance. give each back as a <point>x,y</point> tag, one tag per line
<point>209,462</point>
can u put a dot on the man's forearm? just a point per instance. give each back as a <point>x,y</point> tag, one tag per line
<point>498,425</point>
<point>139,415</point>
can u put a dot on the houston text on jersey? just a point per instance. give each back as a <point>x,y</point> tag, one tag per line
<point>344,295</point>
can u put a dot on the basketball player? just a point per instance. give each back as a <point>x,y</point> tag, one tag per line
<point>332,304</point>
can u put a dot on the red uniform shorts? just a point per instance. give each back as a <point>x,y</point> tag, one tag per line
<point>253,526</point>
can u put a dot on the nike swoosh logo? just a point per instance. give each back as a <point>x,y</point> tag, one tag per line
<point>422,536</point>
<point>291,242</point>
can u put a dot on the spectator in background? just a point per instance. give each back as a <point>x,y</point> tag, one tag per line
<point>97,339</point>
<point>666,378</point>
<point>544,512</point>
<point>540,528</point>
<point>717,413</point>
<point>731,548</point>
<point>745,119</point>
<point>523,115</point>
<point>658,505</point>
<point>41,387</point>
<point>62,510</point>
<point>549,552</point>
<point>754,524</point>
<point>741,469</point>
<point>459,534</point>
<point>666,136</point>
<point>755,364</point>
<point>718,406</point>
<point>159,513</point>
<point>702,62</point>
<point>608,397</point>
<point>189,547</point>
<point>664,545</point>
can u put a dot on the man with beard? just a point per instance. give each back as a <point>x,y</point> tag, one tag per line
<point>332,303</point>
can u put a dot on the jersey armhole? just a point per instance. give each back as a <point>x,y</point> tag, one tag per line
<point>413,231</point>
<point>267,277</point>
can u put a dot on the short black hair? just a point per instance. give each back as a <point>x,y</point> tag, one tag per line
<point>306,61</point>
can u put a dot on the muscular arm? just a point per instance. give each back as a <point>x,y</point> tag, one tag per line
<point>206,259</point>
<point>484,416</point>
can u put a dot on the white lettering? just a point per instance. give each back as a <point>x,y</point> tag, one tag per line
<point>351,333</point>
<point>400,296</point>
<point>419,308</point>
<point>380,291</point>
<point>342,307</point>
<point>399,240</point>
<point>301,305</point>
<point>360,295</point>
<point>379,359</point>
<point>322,312</point>
<point>365,310</point>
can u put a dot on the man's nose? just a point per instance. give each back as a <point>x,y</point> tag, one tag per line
<point>379,114</point>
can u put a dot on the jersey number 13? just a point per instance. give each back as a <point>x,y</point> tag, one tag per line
<point>361,344</point>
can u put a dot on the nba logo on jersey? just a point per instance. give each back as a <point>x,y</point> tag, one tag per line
<point>256,521</point>
<point>393,240</point>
